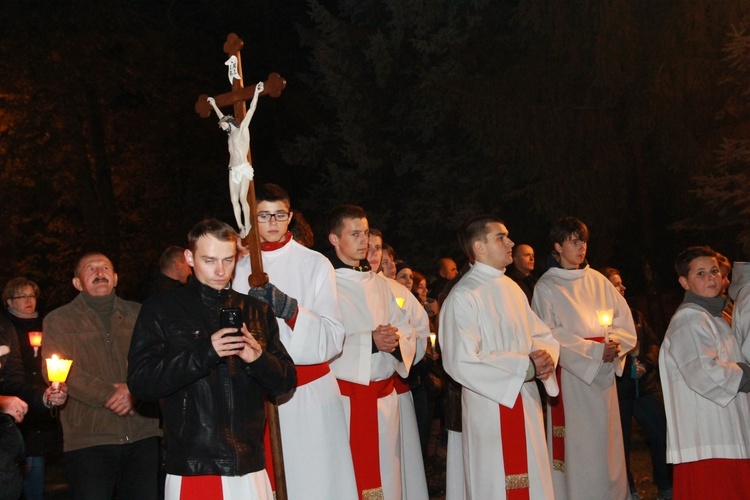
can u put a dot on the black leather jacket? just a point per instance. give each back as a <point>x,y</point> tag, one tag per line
<point>213,408</point>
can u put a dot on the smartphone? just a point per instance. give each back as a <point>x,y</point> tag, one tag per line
<point>231,317</point>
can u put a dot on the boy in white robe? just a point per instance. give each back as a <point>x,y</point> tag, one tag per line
<point>379,342</point>
<point>494,345</point>
<point>314,437</point>
<point>586,446</point>
<point>705,381</point>
<point>413,477</point>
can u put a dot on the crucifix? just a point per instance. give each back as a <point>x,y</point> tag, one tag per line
<point>242,189</point>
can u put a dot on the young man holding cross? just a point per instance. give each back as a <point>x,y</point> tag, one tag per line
<point>302,293</point>
<point>379,342</point>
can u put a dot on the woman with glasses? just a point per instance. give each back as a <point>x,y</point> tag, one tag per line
<point>41,430</point>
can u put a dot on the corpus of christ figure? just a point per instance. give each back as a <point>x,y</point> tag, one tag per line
<point>240,170</point>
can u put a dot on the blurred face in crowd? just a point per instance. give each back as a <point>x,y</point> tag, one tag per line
<point>405,277</point>
<point>448,269</point>
<point>273,231</point>
<point>616,280</point>
<point>95,275</point>
<point>704,278</point>
<point>352,244</point>
<point>183,269</point>
<point>23,302</point>
<point>375,252</point>
<point>422,291</point>
<point>389,266</point>
<point>524,259</point>
<point>213,261</point>
<point>572,251</point>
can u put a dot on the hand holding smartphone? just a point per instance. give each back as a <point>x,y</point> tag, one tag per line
<point>231,317</point>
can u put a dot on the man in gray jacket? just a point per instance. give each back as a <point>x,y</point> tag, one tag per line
<point>110,445</point>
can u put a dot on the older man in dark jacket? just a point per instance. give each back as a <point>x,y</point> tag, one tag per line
<point>210,381</point>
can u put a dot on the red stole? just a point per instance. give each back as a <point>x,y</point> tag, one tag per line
<point>557,414</point>
<point>364,432</point>
<point>513,434</point>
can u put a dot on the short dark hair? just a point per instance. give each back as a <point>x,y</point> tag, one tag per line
<point>211,227</point>
<point>335,220</point>
<point>684,258</point>
<point>608,272</point>
<point>14,287</point>
<point>473,230</point>
<point>169,256</point>
<point>565,227</point>
<point>376,232</point>
<point>271,192</point>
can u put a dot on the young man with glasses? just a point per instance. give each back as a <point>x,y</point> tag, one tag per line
<point>302,293</point>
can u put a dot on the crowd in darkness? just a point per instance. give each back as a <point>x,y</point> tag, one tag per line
<point>534,370</point>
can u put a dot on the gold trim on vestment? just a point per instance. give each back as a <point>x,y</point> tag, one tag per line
<point>558,465</point>
<point>558,431</point>
<point>516,481</point>
<point>373,494</point>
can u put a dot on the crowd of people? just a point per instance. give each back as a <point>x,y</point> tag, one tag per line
<point>535,378</point>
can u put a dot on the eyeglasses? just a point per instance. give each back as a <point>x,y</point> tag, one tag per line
<point>21,297</point>
<point>280,216</point>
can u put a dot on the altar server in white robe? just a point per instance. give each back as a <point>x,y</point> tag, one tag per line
<point>705,381</point>
<point>314,435</point>
<point>379,342</point>
<point>585,435</point>
<point>494,345</point>
<point>413,476</point>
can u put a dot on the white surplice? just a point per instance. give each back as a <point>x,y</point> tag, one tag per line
<point>487,331</point>
<point>706,416</point>
<point>413,477</point>
<point>567,301</point>
<point>366,302</point>
<point>314,431</point>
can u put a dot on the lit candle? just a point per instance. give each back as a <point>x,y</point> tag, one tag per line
<point>432,340</point>
<point>57,370</point>
<point>35,339</point>
<point>605,320</point>
<point>400,302</point>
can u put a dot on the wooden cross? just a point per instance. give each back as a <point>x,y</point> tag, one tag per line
<point>237,97</point>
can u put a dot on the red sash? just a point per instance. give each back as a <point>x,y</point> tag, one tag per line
<point>310,373</point>
<point>557,412</point>
<point>201,488</point>
<point>305,375</point>
<point>400,384</point>
<point>363,430</point>
<point>513,433</point>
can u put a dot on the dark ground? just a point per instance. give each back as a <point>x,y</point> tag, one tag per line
<point>56,488</point>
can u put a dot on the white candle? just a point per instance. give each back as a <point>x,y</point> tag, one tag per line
<point>604,316</point>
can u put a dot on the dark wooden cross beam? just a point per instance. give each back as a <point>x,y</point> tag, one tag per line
<point>237,97</point>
